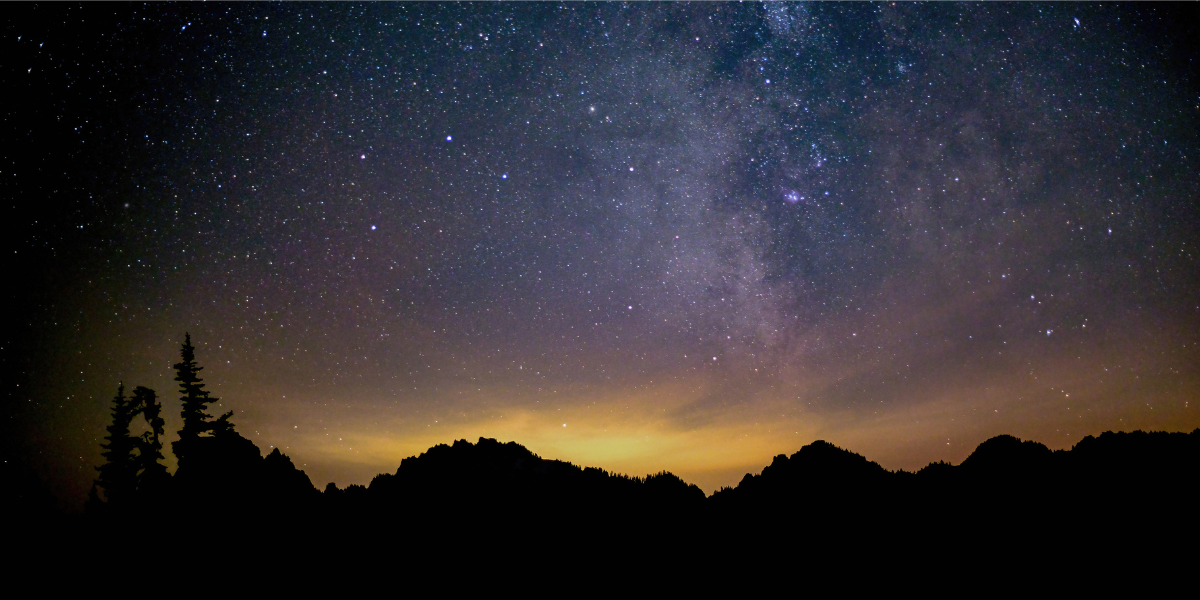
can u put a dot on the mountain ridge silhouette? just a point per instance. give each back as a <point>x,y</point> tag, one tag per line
<point>489,476</point>
<point>498,507</point>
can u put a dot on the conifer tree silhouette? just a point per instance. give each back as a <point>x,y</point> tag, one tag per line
<point>118,474</point>
<point>195,399</point>
<point>222,427</point>
<point>152,472</point>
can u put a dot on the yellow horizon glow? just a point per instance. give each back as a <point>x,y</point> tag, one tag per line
<point>643,429</point>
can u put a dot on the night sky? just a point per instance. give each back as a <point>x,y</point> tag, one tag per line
<point>638,237</point>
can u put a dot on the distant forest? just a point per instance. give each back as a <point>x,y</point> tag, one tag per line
<point>1007,489</point>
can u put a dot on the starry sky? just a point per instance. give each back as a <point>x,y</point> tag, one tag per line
<point>634,236</point>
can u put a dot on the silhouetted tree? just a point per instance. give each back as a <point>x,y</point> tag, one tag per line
<point>151,472</point>
<point>195,400</point>
<point>222,427</point>
<point>118,474</point>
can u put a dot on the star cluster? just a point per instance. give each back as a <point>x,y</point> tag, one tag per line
<point>642,237</point>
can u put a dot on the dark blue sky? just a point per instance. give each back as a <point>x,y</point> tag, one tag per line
<point>641,237</point>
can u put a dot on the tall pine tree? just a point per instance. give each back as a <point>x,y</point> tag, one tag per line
<point>118,474</point>
<point>195,400</point>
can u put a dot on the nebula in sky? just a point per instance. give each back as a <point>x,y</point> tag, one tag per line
<point>634,236</point>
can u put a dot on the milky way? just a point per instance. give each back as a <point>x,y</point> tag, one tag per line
<point>641,237</point>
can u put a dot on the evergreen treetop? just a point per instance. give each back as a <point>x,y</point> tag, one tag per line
<point>195,399</point>
<point>192,393</point>
<point>118,475</point>
<point>132,462</point>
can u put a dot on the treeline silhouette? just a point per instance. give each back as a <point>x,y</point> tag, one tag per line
<point>220,474</point>
<point>821,500</point>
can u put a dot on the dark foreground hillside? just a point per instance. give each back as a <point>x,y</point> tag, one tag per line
<point>1006,490</point>
<point>489,502</point>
